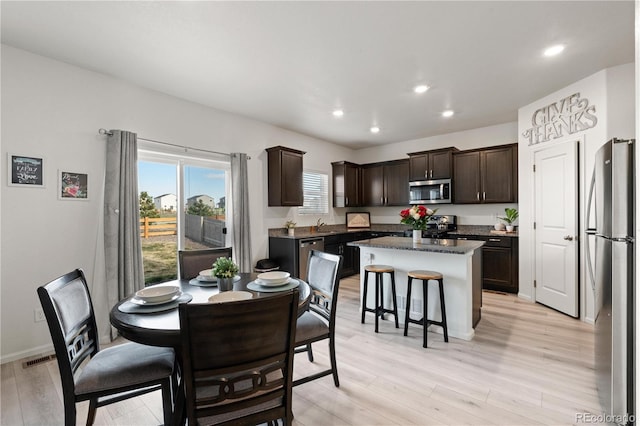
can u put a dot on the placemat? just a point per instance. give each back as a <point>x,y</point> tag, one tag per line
<point>129,307</point>
<point>257,287</point>
<point>195,281</point>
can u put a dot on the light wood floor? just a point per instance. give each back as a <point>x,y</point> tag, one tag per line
<point>526,365</point>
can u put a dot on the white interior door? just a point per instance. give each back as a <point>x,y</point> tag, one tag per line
<point>556,218</point>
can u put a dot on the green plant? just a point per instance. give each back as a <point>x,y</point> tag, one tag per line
<point>224,268</point>
<point>510,215</point>
<point>290,224</point>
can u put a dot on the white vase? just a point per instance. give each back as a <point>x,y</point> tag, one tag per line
<point>417,236</point>
<point>510,228</point>
<point>291,231</point>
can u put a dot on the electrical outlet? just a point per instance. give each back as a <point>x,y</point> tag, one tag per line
<point>38,315</point>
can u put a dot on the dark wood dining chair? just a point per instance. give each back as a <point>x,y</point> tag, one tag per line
<point>238,360</point>
<point>191,262</point>
<point>323,276</point>
<point>88,373</point>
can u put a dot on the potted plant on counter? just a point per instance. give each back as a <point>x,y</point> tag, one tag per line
<point>510,216</point>
<point>290,225</point>
<point>417,217</point>
<point>225,270</point>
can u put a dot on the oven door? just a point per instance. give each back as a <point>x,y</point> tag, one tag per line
<point>430,191</point>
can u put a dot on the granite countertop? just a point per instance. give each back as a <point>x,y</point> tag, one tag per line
<point>428,245</point>
<point>482,230</point>
<point>326,230</point>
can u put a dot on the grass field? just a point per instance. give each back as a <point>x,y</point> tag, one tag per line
<point>160,257</point>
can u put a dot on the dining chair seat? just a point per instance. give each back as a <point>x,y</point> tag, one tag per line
<point>123,366</point>
<point>311,327</point>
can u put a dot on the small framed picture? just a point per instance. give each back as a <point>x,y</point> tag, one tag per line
<point>73,185</point>
<point>25,171</point>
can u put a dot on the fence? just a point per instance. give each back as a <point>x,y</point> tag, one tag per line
<point>155,226</point>
<point>208,230</point>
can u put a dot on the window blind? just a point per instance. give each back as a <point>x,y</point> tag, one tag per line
<point>315,186</point>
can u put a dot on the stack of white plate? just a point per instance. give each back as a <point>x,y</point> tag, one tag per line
<point>156,295</point>
<point>207,275</point>
<point>273,278</point>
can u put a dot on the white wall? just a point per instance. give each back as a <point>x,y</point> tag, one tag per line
<point>611,91</point>
<point>54,110</point>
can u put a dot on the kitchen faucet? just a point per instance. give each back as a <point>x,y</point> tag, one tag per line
<point>319,224</point>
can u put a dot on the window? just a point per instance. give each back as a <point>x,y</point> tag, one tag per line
<point>315,186</point>
<point>182,207</point>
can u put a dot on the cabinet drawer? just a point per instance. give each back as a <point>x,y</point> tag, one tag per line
<point>498,241</point>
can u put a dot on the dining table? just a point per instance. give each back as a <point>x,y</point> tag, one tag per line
<point>160,325</point>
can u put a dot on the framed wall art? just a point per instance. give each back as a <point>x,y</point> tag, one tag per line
<point>25,171</point>
<point>73,185</point>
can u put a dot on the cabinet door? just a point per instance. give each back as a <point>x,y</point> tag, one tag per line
<point>466,177</point>
<point>292,194</point>
<point>373,186</point>
<point>396,178</point>
<point>497,269</point>
<point>352,185</point>
<point>440,165</point>
<point>497,175</point>
<point>418,167</point>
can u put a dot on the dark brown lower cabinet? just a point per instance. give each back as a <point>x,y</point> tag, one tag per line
<point>499,262</point>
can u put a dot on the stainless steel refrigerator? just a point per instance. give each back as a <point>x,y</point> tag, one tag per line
<point>613,272</point>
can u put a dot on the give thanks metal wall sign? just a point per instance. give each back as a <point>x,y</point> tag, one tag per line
<point>567,116</point>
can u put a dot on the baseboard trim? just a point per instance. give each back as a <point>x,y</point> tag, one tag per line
<point>37,351</point>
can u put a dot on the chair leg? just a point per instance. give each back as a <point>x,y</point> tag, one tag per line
<point>408,306</point>
<point>394,298</point>
<point>425,307</point>
<point>378,295</point>
<point>309,352</point>
<point>91,415</point>
<point>334,364</point>
<point>167,402</point>
<point>364,295</point>
<point>444,312</point>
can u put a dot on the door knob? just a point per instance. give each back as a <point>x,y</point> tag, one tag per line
<point>568,237</point>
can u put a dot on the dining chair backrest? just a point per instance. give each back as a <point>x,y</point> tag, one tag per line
<point>191,262</point>
<point>238,359</point>
<point>67,306</point>
<point>323,277</point>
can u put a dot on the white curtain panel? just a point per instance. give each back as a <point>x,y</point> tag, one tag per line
<point>241,224</point>
<point>123,253</point>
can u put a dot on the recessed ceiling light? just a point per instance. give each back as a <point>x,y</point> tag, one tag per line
<point>447,113</point>
<point>338,113</point>
<point>554,50</point>
<point>421,88</point>
<point>375,129</point>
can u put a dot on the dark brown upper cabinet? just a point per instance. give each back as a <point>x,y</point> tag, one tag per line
<point>385,184</point>
<point>285,176</point>
<point>488,175</point>
<point>346,184</point>
<point>434,164</point>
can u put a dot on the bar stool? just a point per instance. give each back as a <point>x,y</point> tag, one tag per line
<point>425,276</point>
<point>379,310</point>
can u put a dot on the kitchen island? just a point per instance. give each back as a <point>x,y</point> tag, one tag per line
<point>459,261</point>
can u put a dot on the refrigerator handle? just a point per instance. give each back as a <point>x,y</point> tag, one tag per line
<point>590,231</point>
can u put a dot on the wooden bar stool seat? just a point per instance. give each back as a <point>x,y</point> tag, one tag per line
<point>379,310</point>
<point>425,276</point>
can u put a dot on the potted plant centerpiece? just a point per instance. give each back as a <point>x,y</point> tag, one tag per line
<point>510,216</point>
<point>225,270</point>
<point>417,217</point>
<point>290,225</point>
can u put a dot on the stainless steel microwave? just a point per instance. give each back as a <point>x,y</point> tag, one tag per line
<point>437,191</point>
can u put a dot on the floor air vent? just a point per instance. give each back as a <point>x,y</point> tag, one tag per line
<point>36,361</point>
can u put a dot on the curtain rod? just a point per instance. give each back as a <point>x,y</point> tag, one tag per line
<point>108,133</point>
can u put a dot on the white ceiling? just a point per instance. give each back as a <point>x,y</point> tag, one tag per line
<point>292,63</point>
